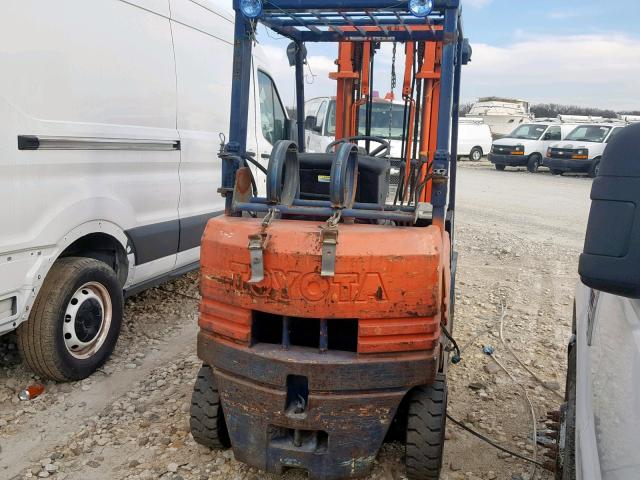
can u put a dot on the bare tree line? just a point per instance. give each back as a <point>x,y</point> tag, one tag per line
<point>552,110</point>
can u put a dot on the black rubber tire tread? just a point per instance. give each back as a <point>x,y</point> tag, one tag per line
<point>500,168</point>
<point>425,430</point>
<point>534,163</point>
<point>593,168</point>
<point>207,422</point>
<point>556,172</point>
<point>39,341</point>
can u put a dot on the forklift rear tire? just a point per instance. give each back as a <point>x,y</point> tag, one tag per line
<point>427,417</point>
<point>500,168</point>
<point>207,422</point>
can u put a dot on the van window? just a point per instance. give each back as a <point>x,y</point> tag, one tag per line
<point>322,113</point>
<point>589,133</point>
<point>615,132</point>
<point>331,118</point>
<point>272,113</point>
<point>528,132</point>
<point>387,120</point>
<point>311,108</point>
<point>554,133</point>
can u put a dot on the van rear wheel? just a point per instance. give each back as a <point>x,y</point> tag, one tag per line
<point>476,154</point>
<point>75,321</point>
<point>426,423</point>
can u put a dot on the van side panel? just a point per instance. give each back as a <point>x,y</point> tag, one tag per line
<point>109,146</point>
<point>203,43</point>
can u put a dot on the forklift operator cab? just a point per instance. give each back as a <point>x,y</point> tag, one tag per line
<point>327,310</point>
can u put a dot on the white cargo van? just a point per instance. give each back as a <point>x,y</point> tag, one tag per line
<point>527,145</point>
<point>111,116</point>
<point>474,138</point>
<point>581,151</point>
<point>387,118</point>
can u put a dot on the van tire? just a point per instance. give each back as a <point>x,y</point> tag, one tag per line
<point>534,163</point>
<point>500,168</point>
<point>44,339</point>
<point>207,422</point>
<point>475,155</point>
<point>594,169</point>
<point>426,423</point>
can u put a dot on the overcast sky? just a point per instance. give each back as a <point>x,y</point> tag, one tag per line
<point>583,52</point>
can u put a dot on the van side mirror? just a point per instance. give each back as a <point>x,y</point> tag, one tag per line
<point>611,258</point>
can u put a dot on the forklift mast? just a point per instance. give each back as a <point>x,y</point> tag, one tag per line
<point>364,22</point>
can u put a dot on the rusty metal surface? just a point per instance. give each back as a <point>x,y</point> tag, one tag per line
<point>396,273</point>
<point>318,408</point>
<point>260,430</point>
<point>329,372</point>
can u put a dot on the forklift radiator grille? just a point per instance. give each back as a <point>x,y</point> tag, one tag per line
<point>335,334</point>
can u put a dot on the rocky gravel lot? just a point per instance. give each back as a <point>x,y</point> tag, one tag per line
<point>518,237</point>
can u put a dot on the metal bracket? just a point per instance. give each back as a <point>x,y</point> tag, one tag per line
<point>329,238</point>
<point>255,257</point>
<point>257,244</point>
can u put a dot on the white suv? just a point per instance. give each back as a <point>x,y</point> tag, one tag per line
<point>111,116</point>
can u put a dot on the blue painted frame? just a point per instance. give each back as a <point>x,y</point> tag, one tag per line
<point>292,19</point>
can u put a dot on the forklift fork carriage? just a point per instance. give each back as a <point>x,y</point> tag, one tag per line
<point>323,315</point>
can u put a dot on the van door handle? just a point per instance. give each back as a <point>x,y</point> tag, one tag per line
<point>266,156</point>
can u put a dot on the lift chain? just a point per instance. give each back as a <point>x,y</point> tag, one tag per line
<point>393,87</point>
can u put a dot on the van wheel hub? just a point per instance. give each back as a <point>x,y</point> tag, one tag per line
<point>87,320</point>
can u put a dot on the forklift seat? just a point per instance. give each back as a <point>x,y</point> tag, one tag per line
<point>373,177</point>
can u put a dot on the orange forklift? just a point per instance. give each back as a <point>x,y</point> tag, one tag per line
<point>327,306</point>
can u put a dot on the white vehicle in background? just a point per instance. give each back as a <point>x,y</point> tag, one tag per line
<point>387,119</point>
<point>474,136</point>
<point>501,114</point>
<point>527,145</point>
<point>600,420</point>
<point>581,151</point>
<point>111,114</point>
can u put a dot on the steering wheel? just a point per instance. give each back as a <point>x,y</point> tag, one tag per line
<point>381,152</point>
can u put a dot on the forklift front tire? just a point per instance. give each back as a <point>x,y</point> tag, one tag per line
<point>500,168</point>
<point>426,424</point>
<point>207,422</point>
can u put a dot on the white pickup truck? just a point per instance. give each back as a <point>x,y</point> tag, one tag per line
<point>111,117</point>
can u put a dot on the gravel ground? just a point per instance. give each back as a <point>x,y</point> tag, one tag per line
<point>518,237</point>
